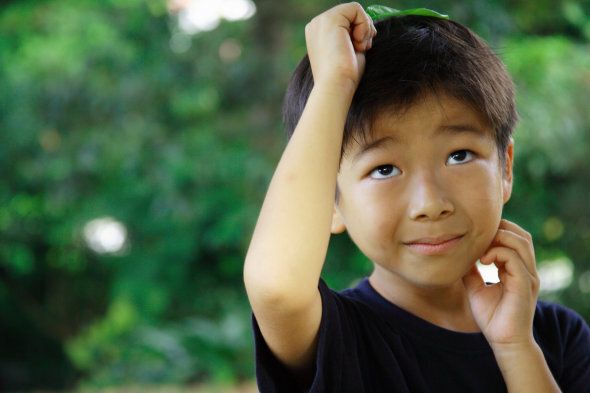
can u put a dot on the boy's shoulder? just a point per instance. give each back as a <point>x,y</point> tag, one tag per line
<point>554,320</point>
<point>547,307</point>
<point>564,337</point>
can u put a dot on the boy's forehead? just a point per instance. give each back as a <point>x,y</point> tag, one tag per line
<point>435,113</point>
<point>431,110</point>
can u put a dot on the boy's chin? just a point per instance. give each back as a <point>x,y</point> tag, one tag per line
<point>438,284</point>
<point>438,281</point>
<point>432,280</point>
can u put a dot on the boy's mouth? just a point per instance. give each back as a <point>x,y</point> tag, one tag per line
<point>434,239</point>
<point>435,244</point>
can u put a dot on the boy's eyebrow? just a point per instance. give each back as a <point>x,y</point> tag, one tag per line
<point>444,129</point>
<point>373,146</point>
<point>460,128</point>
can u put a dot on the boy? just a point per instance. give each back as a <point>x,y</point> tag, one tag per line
<point>418,148</point>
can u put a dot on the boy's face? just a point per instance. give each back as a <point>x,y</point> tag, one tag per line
<point>435,177</point>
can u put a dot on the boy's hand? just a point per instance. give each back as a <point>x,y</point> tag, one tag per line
<point>504,311</point>
<point>336,42</point>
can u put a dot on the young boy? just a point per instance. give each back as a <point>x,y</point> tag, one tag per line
<point>418,148</point>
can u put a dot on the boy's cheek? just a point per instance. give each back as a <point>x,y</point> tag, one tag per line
<point>488,238</point>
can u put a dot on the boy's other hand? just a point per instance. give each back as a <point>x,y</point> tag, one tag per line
<point>504,311</point>
<point>336,42</point>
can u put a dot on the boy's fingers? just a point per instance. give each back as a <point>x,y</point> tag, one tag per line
<point>509,260</point>
<point>360,23</point>
<point>509,225</point>
<point>521,245</point>
<point>353,12</point>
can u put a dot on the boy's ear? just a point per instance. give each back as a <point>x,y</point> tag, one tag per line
<point>507,178</point>
<point>337,222</point>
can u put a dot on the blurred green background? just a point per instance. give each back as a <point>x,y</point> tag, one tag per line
<point>137,139</point>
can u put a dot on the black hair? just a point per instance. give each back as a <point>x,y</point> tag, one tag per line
<point>412,56</point>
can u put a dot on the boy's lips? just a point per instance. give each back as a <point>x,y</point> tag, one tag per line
<point>434,245</point>
<point>434,239</point>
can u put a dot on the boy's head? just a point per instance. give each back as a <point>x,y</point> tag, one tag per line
<point>411,57</point>
<point>427,152</point>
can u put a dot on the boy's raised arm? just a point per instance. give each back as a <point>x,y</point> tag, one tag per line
<point>290,241</point>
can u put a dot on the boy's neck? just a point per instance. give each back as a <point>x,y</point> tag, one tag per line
<point>447,307</point>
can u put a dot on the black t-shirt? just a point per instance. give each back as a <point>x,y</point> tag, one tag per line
<point>368,344</point>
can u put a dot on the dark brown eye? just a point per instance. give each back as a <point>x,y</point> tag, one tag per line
<point>460,157</point>
<point>384,172</point>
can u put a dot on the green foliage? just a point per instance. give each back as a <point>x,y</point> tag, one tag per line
<point>108,109</point>
<point>566,83</point>
<point>101,118</point>
<point>380,12</point>
<point>552,142</point>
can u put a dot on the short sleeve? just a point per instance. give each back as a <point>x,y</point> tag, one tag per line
<point>271,374</point>
<point>332,360</point>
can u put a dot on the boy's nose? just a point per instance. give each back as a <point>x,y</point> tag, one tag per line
<point>428,200</point>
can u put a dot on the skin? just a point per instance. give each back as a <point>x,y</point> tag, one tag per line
<point>430,197</point>
<point>414,187</point>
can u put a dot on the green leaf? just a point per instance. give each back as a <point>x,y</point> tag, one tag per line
<point>381,12</point>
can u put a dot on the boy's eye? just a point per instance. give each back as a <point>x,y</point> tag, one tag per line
<point>384,172</point>
<point>460,157</point>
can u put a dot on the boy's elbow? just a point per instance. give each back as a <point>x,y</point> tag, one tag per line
<point>259,285</point>
<point>262,287</point>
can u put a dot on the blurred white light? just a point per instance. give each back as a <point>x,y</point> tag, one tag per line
<point>199,16</point>
<point>556,274</point>
<point>105,235</point>
<point>489,273</point>
<point>204,15</point>
<point>237,9</point>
